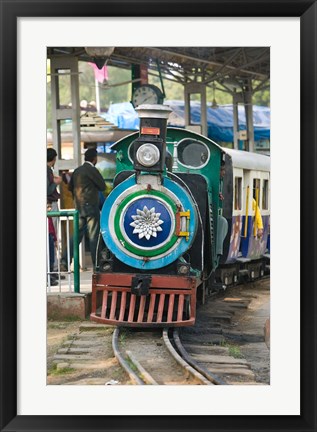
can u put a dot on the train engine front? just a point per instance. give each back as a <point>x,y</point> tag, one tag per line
<point>152,259</point>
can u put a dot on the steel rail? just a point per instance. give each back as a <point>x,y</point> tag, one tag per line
<point>203,371</point>
<point>115,346</point>
<point>146,377</point>
<point>182,362</point>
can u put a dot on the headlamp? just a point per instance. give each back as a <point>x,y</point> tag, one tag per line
<point>148,155</point>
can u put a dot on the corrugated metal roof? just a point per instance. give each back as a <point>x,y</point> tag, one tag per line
<point>182,63</point>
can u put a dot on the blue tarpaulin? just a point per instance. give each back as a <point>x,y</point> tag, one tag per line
<point>220,120</point>
<point>123,115</point>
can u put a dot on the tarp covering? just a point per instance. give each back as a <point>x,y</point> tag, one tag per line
<point>123,115</point>
<point>220,120</point>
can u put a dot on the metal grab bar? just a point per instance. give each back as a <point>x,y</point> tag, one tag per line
<point>256,211</point>
<point>75,215</point>
<point>246,213</point>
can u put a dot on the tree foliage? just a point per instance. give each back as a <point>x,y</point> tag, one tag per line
<point>107,93</point>
<point>262,98</point>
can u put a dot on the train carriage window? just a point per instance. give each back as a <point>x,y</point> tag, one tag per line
<point>265,195</point>
<point>192,153</point>
<point>237,193</point>
<point>256,187</point>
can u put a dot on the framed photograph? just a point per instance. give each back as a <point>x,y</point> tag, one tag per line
<point>288,28</point>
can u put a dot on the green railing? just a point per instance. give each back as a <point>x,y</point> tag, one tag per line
<point>75,215</point>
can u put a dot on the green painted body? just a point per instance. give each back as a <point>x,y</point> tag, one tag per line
<point>211,171</point>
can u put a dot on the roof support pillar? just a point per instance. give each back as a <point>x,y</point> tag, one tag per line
<point>191,89</point>
<point>139,75</point>
<point>249,116</point>
<point>66,69</point>
<point>235,122</point>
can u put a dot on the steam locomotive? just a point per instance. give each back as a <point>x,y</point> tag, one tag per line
<point>175,227</point>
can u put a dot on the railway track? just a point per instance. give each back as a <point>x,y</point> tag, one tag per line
<point>223,347</point>
<point>205,354</point>
<point>158,358</point>
<point>219,344</point>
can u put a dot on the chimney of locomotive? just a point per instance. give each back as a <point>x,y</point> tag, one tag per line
<point>153,117</point>
<point>150,147</point>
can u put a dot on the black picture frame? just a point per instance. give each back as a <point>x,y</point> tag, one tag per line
<point>10,11</point>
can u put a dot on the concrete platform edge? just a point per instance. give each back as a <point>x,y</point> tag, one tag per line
<point>68,305</point>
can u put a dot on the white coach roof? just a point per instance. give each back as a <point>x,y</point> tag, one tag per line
<point>247,160</point>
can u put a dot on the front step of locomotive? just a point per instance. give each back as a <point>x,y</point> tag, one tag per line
<point>143,301</point>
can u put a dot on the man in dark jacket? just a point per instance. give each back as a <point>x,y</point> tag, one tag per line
<point>52,180</point>
<point>85,184</point>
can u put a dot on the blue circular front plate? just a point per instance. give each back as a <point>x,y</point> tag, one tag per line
<point>140,222</point>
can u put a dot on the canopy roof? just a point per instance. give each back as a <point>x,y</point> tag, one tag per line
<point>229,66</point>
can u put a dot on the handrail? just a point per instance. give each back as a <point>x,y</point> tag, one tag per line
<point>256,211</point>
<point>246,213</point>
<point>75,215</point>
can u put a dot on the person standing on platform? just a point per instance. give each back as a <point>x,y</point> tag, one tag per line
<point>52,193</point>
<point>52,239</point>
<point>85,184</point>
<point>52,180</point>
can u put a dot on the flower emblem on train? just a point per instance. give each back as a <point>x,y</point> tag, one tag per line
<point>146,223</point>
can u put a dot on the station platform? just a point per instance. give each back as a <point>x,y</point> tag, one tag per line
<point>64,303</point>
<point>67,285</point>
